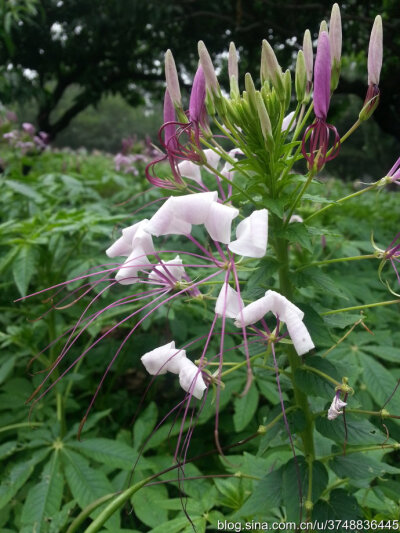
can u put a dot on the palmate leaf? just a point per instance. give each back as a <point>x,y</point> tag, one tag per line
<point>87,484</point>
<point>360,432</point>
<point>44,499</point>
<point>359,467</point>
<point>341,506</point>
<point>380,382</point>
<point>24,267</point>
<point>146,504</point>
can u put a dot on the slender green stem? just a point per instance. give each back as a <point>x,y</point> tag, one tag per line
<point>20,425</point>
<point>380,414</point>
<point>86,512</point>
<point>357,307</point>
<point>322,374</point>
<point>358,449</point>
<point>298,197</point>
<point>243,363</point>
<point>341,200</point>
<point>336,260</point>
<point>350,131</point>
<point>301,123</point>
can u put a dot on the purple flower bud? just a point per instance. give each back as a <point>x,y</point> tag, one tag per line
<point>322,77</point>
<point>375,52</point>
<point>169,117</point>
<point>394,173</point>
<point>197,97</point>
<point>208,68</point>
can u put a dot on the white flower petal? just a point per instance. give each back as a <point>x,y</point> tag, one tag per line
<point>282,307</point>
<point>253,312</point>
<point>219,222</point>
<point>228,303</point>
<point>212,159</point>
<point>335,409</point>
<point>194,208</point>
<point>164,359</point>
<point>298,332</point>
<point>295,218</point>
<point>252,235</point>
<point>286,121</point>
<point>190,170</point>
<point>190,379</point>
<point>124,245</point>
<point>164,222</point>
<point>128,273</point>
<point>173,270</point>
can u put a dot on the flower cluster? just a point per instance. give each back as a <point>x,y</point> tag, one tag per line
<point>27,140</point>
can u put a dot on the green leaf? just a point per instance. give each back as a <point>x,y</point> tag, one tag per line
<point>341,506</point>
<point>44,499</point>
<point>24,267</point>
<point>387,353</point>
<point>316,326</point>
<point>266,495</point>
<point>380,382</point>
<point>25,190</point>
<point>175,525</point>
<point>6,368</point>
<point>8,448</point>
<point>293,477</point>
<point>245,409</point>
<point>144,425</point>
<point>298,234</point>
<point>314,384</point>
<point>341,320</point>
<point>358,467</point>
<point>146,504</point>
<point>360,432</point>
<point>87,484</point>
<point>17,476</point>
<point>113,453</point>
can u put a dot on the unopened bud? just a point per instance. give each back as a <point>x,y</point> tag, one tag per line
<point>233,68</point>
<point>287,81</point>
<point>375,52</point>
<point>335,38</point>
<point>308,55</point>
<point>251,91</point>
<point>323,27</point>
<point>270,69</point>
<point>265,122</point>
<point>171,76</point>
<point>208,68</point>
<point>301,77</point>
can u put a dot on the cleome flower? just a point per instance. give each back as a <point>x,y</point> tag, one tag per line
<point>335,409</point>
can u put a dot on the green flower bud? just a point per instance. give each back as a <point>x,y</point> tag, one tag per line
<point>287,80</point>
<point>251,91</point>
<point>301,77</point>
<point>265,122</point>
<point>271,71</point>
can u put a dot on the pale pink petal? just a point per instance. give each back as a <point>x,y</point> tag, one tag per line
<point>190,379</point>
<point>287,120</point>
<point>164,222</point>
<point>212,158</point>
<point>172,269</point>
<point>194,208</point>
<point>252,235</point>
<point>164,359</point>
<point>190,170</point>
<point>228,303</point>
<point>136,262</point>
<point>335,408</point>
<point>132,236</point>
<point>219,222</point>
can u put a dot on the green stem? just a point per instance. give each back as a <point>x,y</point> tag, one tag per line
<point>359,449</point>
<point>281,248</point>
<point>298,197</point>
<point>357,307</point>
<point>322,374</point>
<point>337,260</point>
<point>86,512</point>
<point>350,131</point>
<point>341,200</point>
<point>21,425</point>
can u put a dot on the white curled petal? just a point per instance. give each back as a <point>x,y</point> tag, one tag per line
<point>219,222</point>
<point>298,332</point>
<point>335,409</point>
<point>190,379</point>
<point>212,159</point>
<point>163,359</point>
<point>143,238</point>
<point>136,261</point>
<point>282,307</point>
<point>295,218</point>
<point>123,246</point>
<point>164,222</point>
<point>228,303</point>
<point>253,312</point>
<point>252,235</point>
<point>172,270</point>
<point>190,170</point>
<point>193,208</point>
<point>287,120</point>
